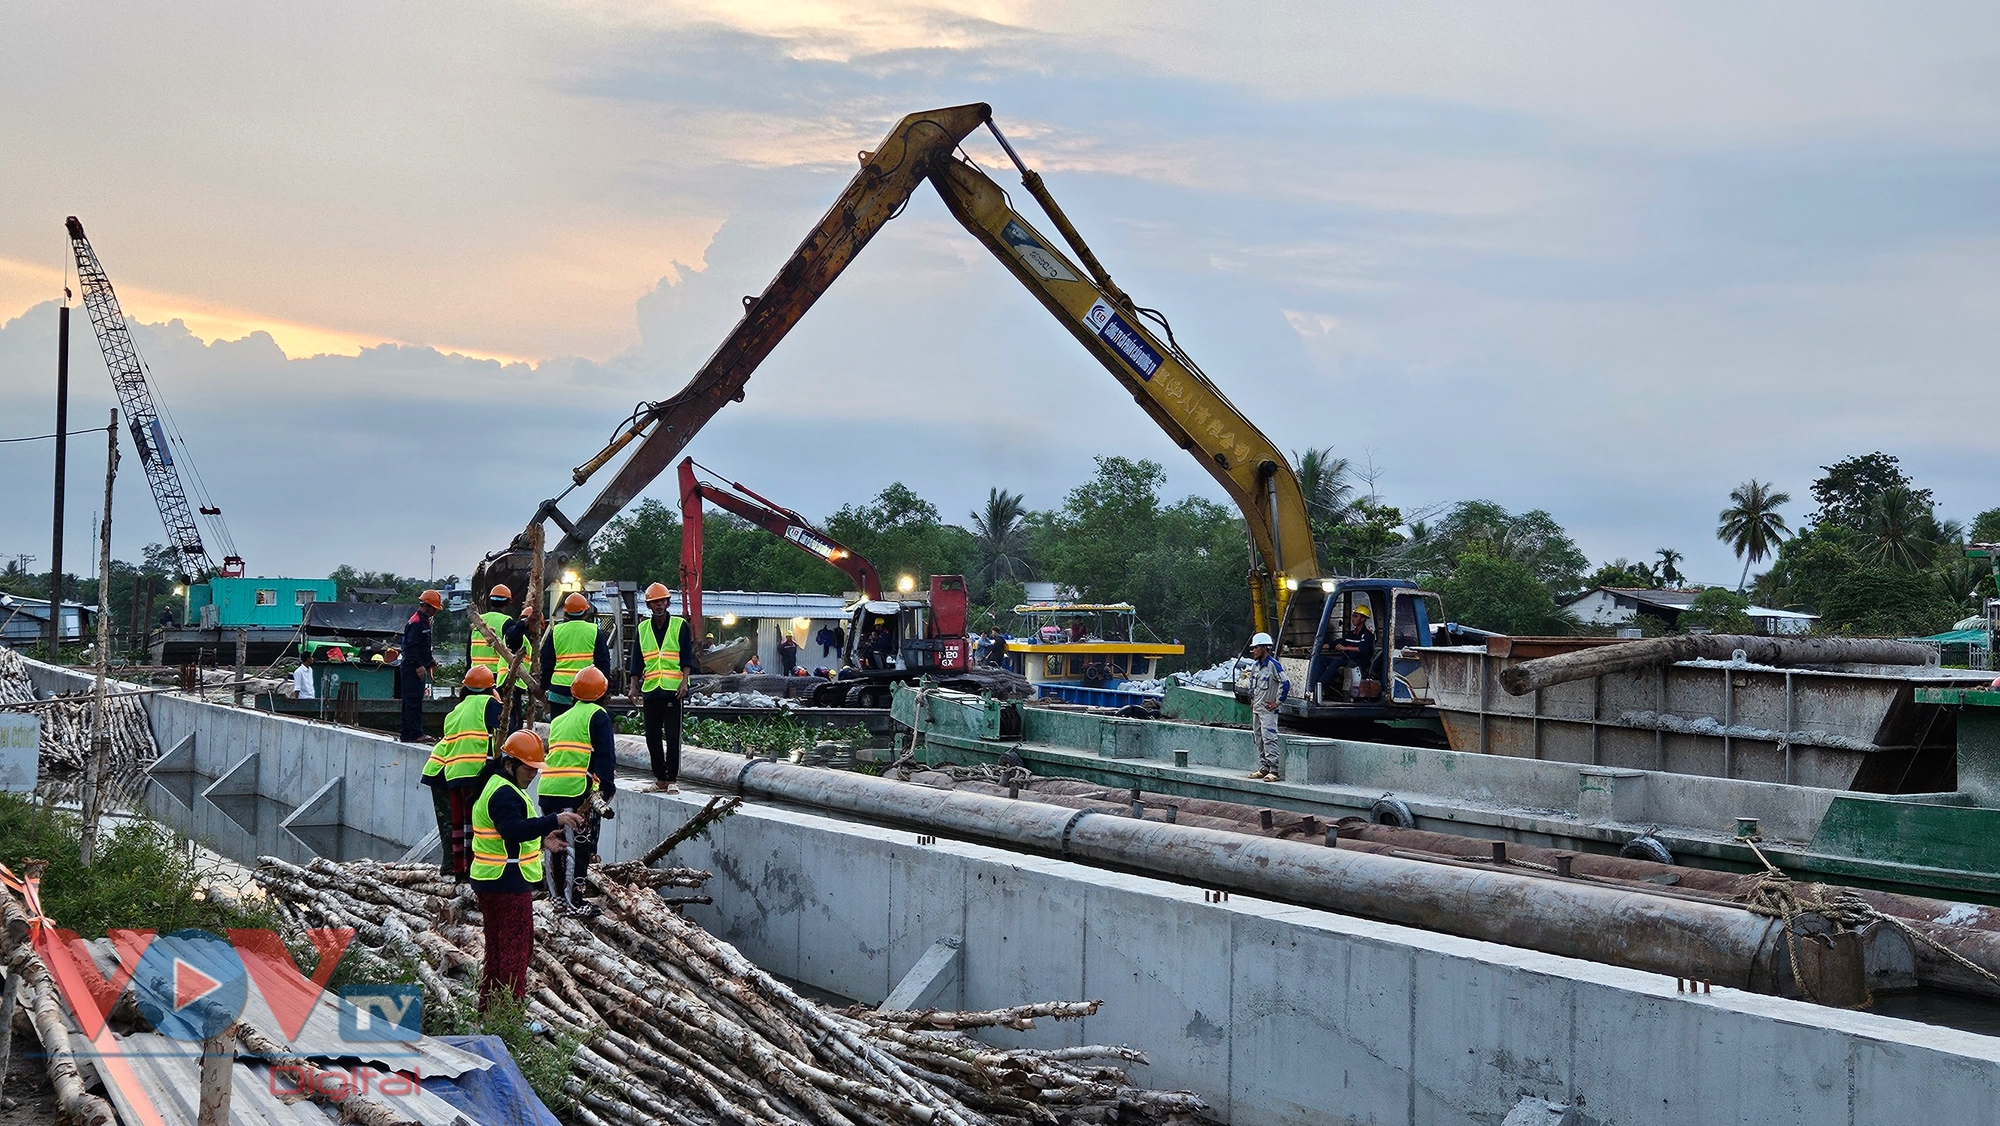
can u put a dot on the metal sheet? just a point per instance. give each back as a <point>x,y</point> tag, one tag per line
<point>378,618</point>
<point>166,1074</point>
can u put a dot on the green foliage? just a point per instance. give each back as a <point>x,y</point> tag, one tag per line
<point>1877,601</point>
<point>145,877</point>
<point>1751,525</point>
<point>1847,490</point>
<point>1718,610</point>
<point>1365,542</point>
<point>1622,572</point>
<point>1501,594</point>
<point>901,534</point>
<point>1985,527</point>
<point>1481,528</point>
<point>644,545</point>
<point>1002,539</point>
<point>779,735</point>
<point>546,1060</point>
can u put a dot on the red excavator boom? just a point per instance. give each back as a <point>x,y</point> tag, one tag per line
<point>768,515</point>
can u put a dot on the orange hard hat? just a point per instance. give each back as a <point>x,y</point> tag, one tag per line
<point>479,678</point>
<point>589,684</point>
<point>527,747</point>
<point>499,593</point>
<point>658,590</point>
<point>432,599</point>
<point>576,604</point>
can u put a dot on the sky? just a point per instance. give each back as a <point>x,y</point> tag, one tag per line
<point>397,268</point>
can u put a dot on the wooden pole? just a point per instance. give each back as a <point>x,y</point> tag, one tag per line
<point>218,1072</point>
<point>1542,672</point>
<point>10,999</point>
<point>93,766</point>
<point>537,704</point>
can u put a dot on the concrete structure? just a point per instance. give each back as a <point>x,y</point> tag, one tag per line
<point>1274,1014</point>
<point>775,615</point>
<point>1618,605</point>
<point>1947,840</point>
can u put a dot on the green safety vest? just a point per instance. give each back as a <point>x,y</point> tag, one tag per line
<point>663,657</point>
<point>566,774</point>
<point>575,643</point>
<point>483,652</point>
<point>490,853</point>
<point>466,743</point>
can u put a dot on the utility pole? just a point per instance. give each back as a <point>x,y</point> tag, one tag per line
<point>100,736</point>
<point>62,459</point>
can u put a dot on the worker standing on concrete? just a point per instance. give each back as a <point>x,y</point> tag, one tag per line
<point>663,654</point>
<point>513,633</point>
<point>582,757</point>
<point>419,664</point>
<point>455,765</point>
<point>507,861</point>
<point>1268,687</point>
<point>572,645</point>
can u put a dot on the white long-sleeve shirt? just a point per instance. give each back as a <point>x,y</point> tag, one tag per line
<point>302,682</point>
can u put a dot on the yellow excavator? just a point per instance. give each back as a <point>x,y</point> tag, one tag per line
<point>1162,378</point>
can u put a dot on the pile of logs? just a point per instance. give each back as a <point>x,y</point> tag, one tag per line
<point>66,729</point>
<point>678,1027</point>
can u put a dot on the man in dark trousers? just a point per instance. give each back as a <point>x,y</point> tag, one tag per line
<point>582,759</point>
<point>507,862</point>
<point>419,662</point>
<point>788,655</point>
<point>663,655</point>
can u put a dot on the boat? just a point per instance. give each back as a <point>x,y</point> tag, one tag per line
<point>1084,653</point>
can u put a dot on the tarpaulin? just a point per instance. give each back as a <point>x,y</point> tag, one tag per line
<point>498,1096</point>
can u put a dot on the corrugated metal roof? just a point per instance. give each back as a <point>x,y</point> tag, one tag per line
<point>166,1074</point>
<point>770,604</point>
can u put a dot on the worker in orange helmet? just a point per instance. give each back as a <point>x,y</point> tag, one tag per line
<point>455,765</point>
<point>507,861</point>
<point>663,657</point>
<point>583,759</point>
<point>513,633</point>
<point>419,664</point>
<point>570,646</point>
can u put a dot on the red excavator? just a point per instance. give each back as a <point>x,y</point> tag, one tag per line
<point>885,641</point>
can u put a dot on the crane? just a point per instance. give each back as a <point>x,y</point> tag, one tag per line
<point>154,440</point>
<point>774,518</point>
<point>1161,377</point>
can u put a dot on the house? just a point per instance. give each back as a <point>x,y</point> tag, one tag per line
<point>1618,605</point>
<point>25,621</point>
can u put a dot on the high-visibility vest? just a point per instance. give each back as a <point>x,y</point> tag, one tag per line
<point>490,852</point>
<point>483,652</point>
<point>663,656</point>
<point>575,644</point>
<point>566,774</point>
<point>466,743</point>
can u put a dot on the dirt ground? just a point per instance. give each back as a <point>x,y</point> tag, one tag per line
<point>30,1101</point>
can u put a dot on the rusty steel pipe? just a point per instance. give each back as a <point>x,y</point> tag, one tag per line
<point>1570,918</point>
<point>1545,672</point>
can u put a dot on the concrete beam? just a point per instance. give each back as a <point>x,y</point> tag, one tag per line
<point>926,979</point>
<point>239,780</point>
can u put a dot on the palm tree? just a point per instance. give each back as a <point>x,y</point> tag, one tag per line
<point>1900,529</point>
<point>1323,480</point>
<point>1670,572</point>
<point>1751,524</point>
<point>1002,535</point>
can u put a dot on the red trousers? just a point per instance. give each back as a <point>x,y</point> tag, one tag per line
<point>510,942</point>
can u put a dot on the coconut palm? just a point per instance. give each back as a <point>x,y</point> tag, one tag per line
<point>1323,480</point>
<point>1002,535</point>
<point>1751,524</point>
<point>1900,529</point>
<point>1669,570</point>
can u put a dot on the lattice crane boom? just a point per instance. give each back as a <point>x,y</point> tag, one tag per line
<point>135,395</point>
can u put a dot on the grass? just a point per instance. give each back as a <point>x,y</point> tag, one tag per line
<point>145,877</point>
<point>545,1061</point>
<point>780,734</point>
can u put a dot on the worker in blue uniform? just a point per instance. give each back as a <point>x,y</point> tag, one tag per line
<point>419,663</point>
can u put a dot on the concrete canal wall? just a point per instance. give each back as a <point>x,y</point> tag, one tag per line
<point>1275,1014</point>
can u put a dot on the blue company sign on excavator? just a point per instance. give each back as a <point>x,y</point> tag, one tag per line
<point>1129,345</point>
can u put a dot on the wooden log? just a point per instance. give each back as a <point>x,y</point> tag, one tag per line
<point>1543,672</point>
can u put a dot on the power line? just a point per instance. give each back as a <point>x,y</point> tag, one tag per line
<point>46,437</point>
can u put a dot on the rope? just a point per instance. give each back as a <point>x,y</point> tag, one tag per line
<point>1775,895</point>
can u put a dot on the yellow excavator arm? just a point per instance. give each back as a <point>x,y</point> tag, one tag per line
<point>1163,379</point>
